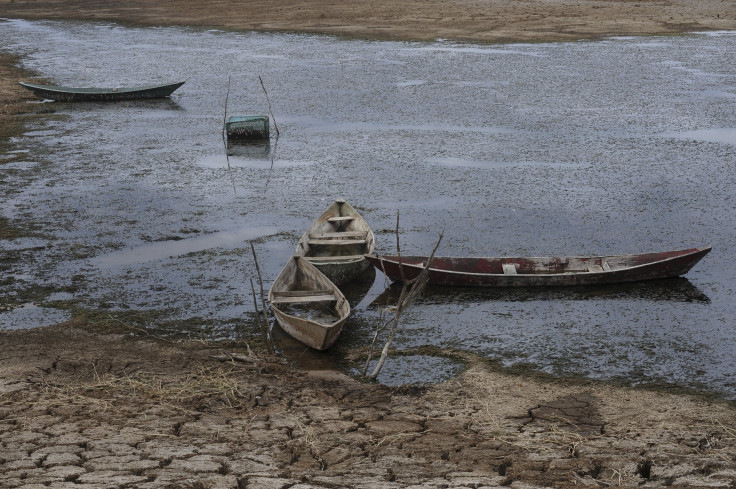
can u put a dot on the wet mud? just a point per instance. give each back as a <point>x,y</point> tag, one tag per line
<point>140,209</point>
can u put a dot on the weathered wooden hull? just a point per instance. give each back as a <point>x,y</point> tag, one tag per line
<point>70,94</point>
<point>342,271</point>
<point>337,242</point>
<point>299,294</point>
<point>247,127</point>
<point>542,271</point>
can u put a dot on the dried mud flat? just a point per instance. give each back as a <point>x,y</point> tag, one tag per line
<point>464,20</point>
<point>84,409</point>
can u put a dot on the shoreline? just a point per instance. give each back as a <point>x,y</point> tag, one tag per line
<point>92,404</point>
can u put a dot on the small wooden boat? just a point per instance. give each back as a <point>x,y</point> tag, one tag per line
<point>307,305</point>
<point>542,271</point>
<point>337,241</point>
<point>69,94</point>
<point>247,127</point>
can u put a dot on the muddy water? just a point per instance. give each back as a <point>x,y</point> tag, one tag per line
<point>618,146</point>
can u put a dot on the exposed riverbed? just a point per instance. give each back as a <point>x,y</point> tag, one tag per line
<point>616,146</point>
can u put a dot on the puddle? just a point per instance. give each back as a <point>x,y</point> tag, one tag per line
<point>168,249</point>
<point>30,316</point>
<point>416,370</point>
<point>721,135</point>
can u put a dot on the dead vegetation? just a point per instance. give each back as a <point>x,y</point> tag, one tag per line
<point>486,425</point>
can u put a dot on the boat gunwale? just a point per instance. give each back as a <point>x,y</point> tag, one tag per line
<point>97,90</point>
<point>94,94</point>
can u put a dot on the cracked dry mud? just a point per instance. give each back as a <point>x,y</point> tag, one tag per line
<point>83,410</point>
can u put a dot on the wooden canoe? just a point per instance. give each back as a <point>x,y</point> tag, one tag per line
<point>70,94</point>
<point>337,241</point>
<point>307,305</point>
<point>542,271</point>
<point>247,127</point>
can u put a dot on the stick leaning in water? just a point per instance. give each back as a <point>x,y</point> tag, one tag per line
<point>269,343</point>
<point>409,291</point>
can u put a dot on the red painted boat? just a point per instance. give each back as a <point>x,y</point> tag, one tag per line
<point>541,271</point>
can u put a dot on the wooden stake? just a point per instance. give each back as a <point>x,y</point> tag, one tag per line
<point>263,299</point>
<point>269,107</point>
<point>224,118</point>
<point>258,313</point>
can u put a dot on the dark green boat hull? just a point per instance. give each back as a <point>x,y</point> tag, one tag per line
<point>69,94</point>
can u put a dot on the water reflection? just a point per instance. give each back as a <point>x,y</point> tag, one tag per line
<point>678,289</point>
<point>94,106</point>
<point>254,149</point>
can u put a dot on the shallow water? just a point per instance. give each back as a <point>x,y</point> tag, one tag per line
<point>617,146</point>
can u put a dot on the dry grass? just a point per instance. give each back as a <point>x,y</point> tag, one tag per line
<point>205,383</point>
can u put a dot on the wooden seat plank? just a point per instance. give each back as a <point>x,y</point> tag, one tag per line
<point>300,293</point>
<point>336,242</point>
<point>303,297</point>
<point>333,257</point>
<point>340,234</point>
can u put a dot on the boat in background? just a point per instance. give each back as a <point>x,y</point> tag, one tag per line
<point>337,242</point>
<point>307,305</point>
<point>541,271</point>
<point>70,94</point>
